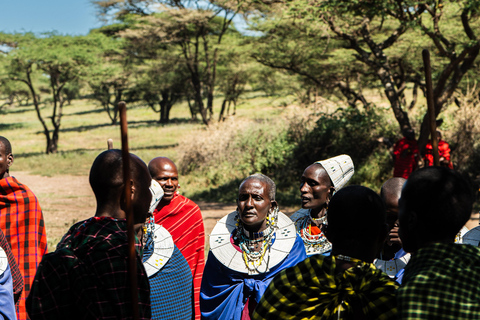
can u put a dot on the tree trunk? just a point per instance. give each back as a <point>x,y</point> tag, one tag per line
<point>220,116</point>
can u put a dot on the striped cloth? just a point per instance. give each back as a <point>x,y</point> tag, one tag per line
<point>22,222</point>
<point>15,271</point>
<point>313,289</point>
<point>86,277</point>
<point>183,219</point>
<point>441,281</point>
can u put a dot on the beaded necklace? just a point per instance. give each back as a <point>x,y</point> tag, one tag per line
<point>253,259</point>
<point>314,243</point>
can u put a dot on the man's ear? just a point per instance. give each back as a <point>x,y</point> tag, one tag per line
<point>9,160</point>
<point>132,190</point>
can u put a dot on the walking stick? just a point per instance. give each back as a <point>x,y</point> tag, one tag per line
<point>431,106</point>
<point>109,144</point>
<point>132,258</point>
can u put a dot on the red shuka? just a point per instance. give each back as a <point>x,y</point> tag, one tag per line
<point>22,222</point>
<point>406,152</point>
<point>183,219</point>
<point>443,151</point>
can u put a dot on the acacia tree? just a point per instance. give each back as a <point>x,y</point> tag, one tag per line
<point>375,33</point>
<point>197,28</point>
<point>58,59</point>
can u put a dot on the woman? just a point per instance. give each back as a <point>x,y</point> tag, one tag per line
<point>318,184</point>
<point>248,247</point>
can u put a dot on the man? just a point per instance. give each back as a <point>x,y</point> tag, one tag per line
<point>183,219</point>
<point>443,152</point>
<point>86,277</point>
<point>248,247</point>
<point>22,222</point>
<point>392,258</point>
<point>442,279</point>
<point>405,154</point>
<point>318,184</point>
<point>344,285</point>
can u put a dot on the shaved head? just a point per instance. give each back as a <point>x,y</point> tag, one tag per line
<point>106,180</point>
<point>160,163</point>
<point>6,157</point>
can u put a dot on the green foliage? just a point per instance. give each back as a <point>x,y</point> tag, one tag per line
<point>282,149</point>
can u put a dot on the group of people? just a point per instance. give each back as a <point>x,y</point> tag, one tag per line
<point>348,253</point>
<point>407,157</point>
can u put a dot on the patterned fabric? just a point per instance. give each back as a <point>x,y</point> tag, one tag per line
<point>225,292</point>
<point>314,290</point>
<point>21,220</point>
<point>340,169</point>
<point>15,271</point>
<point>183,219</point>
<point>441,281</point>
<point>171,288</point>
<point>406,152</point>
<point>86,277</point>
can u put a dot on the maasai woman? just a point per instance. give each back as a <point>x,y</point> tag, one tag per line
<point>248,247</point>
<point>317,186</point>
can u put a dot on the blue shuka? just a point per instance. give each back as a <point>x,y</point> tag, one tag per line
<point>171,283</point>
<point>226,287</point>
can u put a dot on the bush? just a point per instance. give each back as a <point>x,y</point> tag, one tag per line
<point>217,159</point>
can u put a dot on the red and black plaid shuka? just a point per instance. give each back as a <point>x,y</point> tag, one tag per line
<point>22,222</point>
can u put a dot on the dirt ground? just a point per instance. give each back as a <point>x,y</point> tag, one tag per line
<point>69,199</point>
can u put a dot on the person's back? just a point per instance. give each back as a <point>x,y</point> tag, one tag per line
<point>442,279</point>
<point>345,285</point>
<point>87,276</point>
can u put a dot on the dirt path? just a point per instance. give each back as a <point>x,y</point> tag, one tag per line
<point>68,199</point>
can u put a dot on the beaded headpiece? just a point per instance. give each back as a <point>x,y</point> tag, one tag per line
<point>340,169</point>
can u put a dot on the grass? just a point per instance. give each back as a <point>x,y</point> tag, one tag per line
<point>86,127</point>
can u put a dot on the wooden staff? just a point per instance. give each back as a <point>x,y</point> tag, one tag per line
<point>110,144</point>
<point>431,106</point>
<point>132,257</point>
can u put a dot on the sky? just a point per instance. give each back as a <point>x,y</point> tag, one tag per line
<point>73,17</point>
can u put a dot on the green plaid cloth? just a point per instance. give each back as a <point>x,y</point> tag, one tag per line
<point>441,281</point>
<point>314,290</point>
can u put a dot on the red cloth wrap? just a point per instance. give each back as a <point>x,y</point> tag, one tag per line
<point>183,219</point>
<point>22,222</point>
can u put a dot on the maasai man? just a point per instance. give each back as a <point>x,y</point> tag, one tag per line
<point>248,247</point>
<point>392,258</point>
<point>405,154</point>
<point>171,281</point>
<point>183,220</point>
<point>86,277</point>
<point>443,152</point>
<point>442,279</point>
<point>344,285</point>
<point>21,220</point>
<point>317,186</point>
